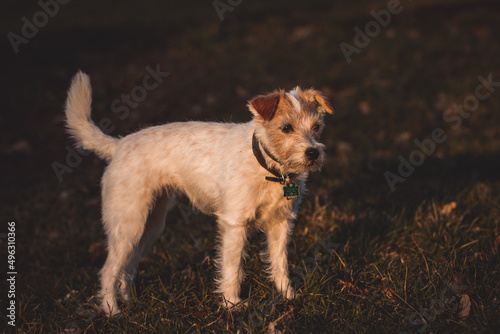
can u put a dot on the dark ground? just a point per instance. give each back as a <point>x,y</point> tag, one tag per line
<point>434,240</point>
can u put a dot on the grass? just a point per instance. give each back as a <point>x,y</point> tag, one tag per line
<point>364,259</point>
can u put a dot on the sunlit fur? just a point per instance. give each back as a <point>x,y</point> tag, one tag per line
<point>214,166</point>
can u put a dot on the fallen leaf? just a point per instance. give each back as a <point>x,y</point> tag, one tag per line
<point>351,288</point>
<point>301,33</point>
<point>465,306</point>
<point>403,137</point>
<point>22,146</point>
<point>456,284</point>
<point>387,292</point>
<point>448,208</point>
<point>364,107</point>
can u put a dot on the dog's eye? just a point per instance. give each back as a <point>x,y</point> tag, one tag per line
<point>287,128</point>
<point>316,127</point>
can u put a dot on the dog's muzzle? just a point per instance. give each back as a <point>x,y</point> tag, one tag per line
<point>312,154</point>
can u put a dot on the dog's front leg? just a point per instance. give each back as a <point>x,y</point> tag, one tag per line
<point>233,239</point>
<point>277,240</point>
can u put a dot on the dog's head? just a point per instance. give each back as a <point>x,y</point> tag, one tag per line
<point>289,126</point>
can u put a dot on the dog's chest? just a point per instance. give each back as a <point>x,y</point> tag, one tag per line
<point>270,204</point>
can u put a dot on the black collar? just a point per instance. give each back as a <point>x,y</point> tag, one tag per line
<point>262,161</point>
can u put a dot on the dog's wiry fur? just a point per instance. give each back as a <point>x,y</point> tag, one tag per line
<point>214,166</point>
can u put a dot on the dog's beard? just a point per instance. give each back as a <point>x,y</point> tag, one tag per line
<point>297,166</point>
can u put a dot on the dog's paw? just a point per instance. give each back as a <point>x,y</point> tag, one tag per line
<point>111,311</point>
<point>234,304</point>
<point>110,307</point>
<point>289,293</point>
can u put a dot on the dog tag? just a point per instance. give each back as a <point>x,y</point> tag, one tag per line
<point>291,191</point>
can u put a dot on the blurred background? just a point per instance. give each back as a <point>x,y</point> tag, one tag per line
<point>393,83</point>
<point>393,89</point>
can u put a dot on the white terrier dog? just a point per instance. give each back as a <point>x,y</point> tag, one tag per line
<point>248,175</point>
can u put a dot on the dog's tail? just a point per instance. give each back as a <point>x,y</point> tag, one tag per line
<point>79,124</point>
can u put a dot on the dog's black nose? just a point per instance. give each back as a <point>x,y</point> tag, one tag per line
<point>312,154</point>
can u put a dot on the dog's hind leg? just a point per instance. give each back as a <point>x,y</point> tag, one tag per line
<point>155,226</point>
<point>125,210</point>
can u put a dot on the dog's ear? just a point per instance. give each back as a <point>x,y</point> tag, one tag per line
<point>265,105</point>
<point>323,106</point>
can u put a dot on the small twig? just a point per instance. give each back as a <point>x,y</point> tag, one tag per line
<point>426,264</point>
<point>406,276</point>
<point>468,244</point>
<point>343,263</point>
<point>404,301</point>
<point>272,325</point>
